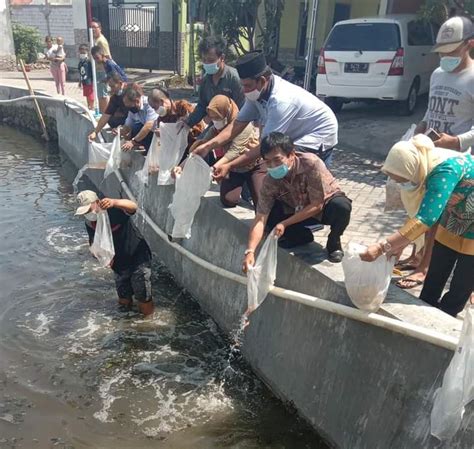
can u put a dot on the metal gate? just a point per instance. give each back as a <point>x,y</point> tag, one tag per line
<point>133,31</point>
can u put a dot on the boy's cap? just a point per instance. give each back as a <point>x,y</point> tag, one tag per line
<point>85,199</point>
<point>452,34</point>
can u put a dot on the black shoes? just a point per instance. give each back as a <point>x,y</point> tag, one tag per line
<point>336,256</point>
<point>334,249</point>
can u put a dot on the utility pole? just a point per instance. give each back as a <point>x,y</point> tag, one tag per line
<point>311,46</point>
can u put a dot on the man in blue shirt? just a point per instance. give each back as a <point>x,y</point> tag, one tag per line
<point>141,118</point>
<point>277,106</point>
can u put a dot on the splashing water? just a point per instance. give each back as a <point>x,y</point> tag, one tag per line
<point>78,177</point>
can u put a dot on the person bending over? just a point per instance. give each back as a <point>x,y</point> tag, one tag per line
<point>132,261</point>
<point>298,191</point>
<point>141,119</point>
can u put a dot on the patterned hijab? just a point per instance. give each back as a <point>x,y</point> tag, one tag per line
<point>414,160</point>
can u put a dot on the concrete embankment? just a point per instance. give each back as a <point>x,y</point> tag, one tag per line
<point>362,386</point>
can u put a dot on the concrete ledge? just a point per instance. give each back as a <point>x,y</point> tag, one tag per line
<point>360,386</point>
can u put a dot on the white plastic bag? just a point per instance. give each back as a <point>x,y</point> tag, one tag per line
<point>366,282</point>
<point>190,187</point>
<point>173,145</point>
<point>151,164</point>
<point>99,154</point>
<point>410,132</point>
<point>393,198</point>
<point>457,390</point>
<point>261,277</point>
<point>115,158</point>
<point>103,245</point>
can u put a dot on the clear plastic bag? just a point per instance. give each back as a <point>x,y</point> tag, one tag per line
<point>173,145</point>
<point>366,282</point>
<point>151,164</point>
<point>457,390</point>
<point>261,277</point>
<point>193,183</point>
<point>410,132</point>
<point>393,198</point>
<point>103,245</point>
<point>99,154</point>
<point>115,158</point>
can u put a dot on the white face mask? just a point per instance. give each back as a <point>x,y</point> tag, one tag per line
<point>162,111</point>
<point>220,124</point>
<point>82,56</point>
<point>254,95</point>
<point>91,216</point>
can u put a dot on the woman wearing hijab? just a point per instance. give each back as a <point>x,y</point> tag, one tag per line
<point>438,188</point>
<point>222,111</point>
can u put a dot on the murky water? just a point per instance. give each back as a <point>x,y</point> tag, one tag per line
<point>76,373</point>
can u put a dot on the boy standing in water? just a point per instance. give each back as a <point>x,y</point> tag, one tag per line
<point>85,75</point>
<point>132,261</point>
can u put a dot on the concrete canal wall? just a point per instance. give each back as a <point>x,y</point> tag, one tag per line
<point>360,386</point>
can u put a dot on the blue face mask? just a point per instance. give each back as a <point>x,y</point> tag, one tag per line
<point>278,172</point>
<point>450,63</point>
<point>211,69</point>
<point>407,186</point>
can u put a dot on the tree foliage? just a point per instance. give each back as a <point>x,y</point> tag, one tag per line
<point>238,20</point>
<point>440,10</point>
<point>235,20</point>
<point>27,42</point>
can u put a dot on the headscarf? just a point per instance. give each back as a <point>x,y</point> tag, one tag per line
<point>414,160</point>
<point>223,107</point>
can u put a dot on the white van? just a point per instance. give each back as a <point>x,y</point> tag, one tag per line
<point>382,58</point>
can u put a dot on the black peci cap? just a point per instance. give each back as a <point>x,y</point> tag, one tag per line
<point>251,65</point>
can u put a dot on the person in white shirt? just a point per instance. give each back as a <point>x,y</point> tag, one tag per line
<point>276,106</point>
<point>450,109</point>
<point>141,118</point>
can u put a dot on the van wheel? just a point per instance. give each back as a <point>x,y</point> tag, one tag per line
<point>335,104</point>
<point>408,106</point>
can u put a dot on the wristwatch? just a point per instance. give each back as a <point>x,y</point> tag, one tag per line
<point>248,251</point>
<point>386,247</point>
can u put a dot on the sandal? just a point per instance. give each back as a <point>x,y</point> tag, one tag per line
<point>412,283</point>
<point>406,266</point>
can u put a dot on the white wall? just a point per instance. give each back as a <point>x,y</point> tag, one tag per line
<point>60,20</point>
<point>79,15</point>
<point>6,38</point>
<point>166,13</point>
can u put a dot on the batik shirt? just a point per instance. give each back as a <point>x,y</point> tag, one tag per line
<point>448,201</point>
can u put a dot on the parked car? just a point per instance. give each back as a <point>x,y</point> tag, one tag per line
<point>381,58</point>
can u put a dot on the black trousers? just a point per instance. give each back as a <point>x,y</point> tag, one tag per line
<point>336,214</point>
<point>443,261</point>
<point>146,142</point>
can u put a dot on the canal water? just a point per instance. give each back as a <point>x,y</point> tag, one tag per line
<point>77,373</point>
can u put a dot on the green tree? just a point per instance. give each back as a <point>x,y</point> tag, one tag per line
<point>236,20</point>
<point>440,10</point>
<point>27,42</point>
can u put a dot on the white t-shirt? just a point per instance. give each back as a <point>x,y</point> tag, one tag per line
<point>451,105</point>
<point>51,52</point>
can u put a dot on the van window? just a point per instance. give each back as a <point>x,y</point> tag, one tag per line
<point>364,37</point>
<point>419,33</point>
